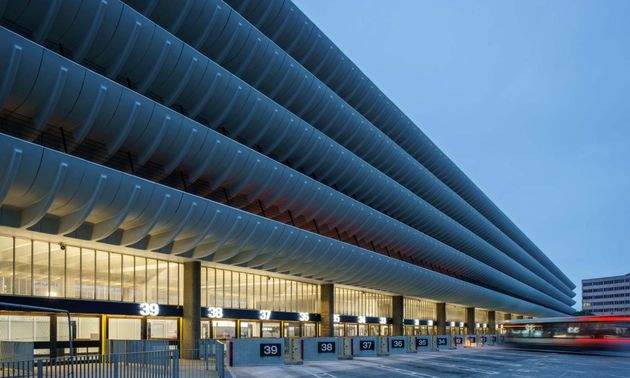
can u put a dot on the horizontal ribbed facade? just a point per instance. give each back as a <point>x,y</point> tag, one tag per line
<point>238,134</point>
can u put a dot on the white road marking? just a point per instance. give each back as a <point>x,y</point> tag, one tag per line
<point>483,360</point>
<point>473,370</point>
<point>323,374</point>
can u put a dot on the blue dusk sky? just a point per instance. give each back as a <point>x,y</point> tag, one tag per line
<point>531,99</point>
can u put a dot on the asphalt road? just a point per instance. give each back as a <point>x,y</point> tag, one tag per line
<point>486,362</point>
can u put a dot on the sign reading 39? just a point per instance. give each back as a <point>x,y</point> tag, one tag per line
<point>149,309</point>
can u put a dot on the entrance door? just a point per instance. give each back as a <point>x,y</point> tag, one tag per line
<point>292,329</point>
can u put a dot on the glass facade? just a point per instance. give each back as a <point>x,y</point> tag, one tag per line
<point>481,316</point>
<point>419,309</point>
<point>362,303</point>
<point>42,269</point>
<point>455,313</point>
<point>24,328</point>
<point>230,289</point>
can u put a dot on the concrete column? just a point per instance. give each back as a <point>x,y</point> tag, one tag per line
<point>492,321</point>
<point>191,325</point>
<point>327,310</point>
<point>441,318</point>
<point>144,328</point>
<point>53,336</point>
<point>470,320</point>
<point>398,313</point>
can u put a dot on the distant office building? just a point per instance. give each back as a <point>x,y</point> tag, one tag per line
<point>606,295</point>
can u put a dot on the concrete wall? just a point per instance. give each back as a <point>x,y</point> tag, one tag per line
<point>318,349</point>
<point>444,342</point>
<point>359,345</point>
<point>398,344</point>
<point>247,352</point>
<point>423,343</point>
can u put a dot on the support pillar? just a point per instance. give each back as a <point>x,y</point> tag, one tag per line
<point>53,336</point>
<point>441,318</point>
<point>191,324</point>
<point>492,321</point>
<point>327,310</point>
<point>398,313</point>
<point>470,320</point>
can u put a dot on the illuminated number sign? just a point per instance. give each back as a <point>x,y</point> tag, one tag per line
<point>149,309</point>
<point>459,340</point>
<point>484,339</point>
<point>382,320</point>
<point>442,341</point>
<point>269,350</point>
<point>366,345</point>
<point>336,318</point>
<point>304,317</point>
<point>360,319</point>
<point>398,343</point>
<point>215,312</point>
<point>264,314</point>
<point>326,347</point>
<point>422,342</point>
<point>472,339</point>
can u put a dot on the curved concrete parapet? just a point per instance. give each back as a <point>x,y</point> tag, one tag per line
<point>51,187</point>
<point>227,38</point>
<point>287,26</point>
<point>63,81</point>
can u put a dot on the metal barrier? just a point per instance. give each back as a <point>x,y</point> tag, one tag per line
<point>213,350</point>
<point>155,364</point>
